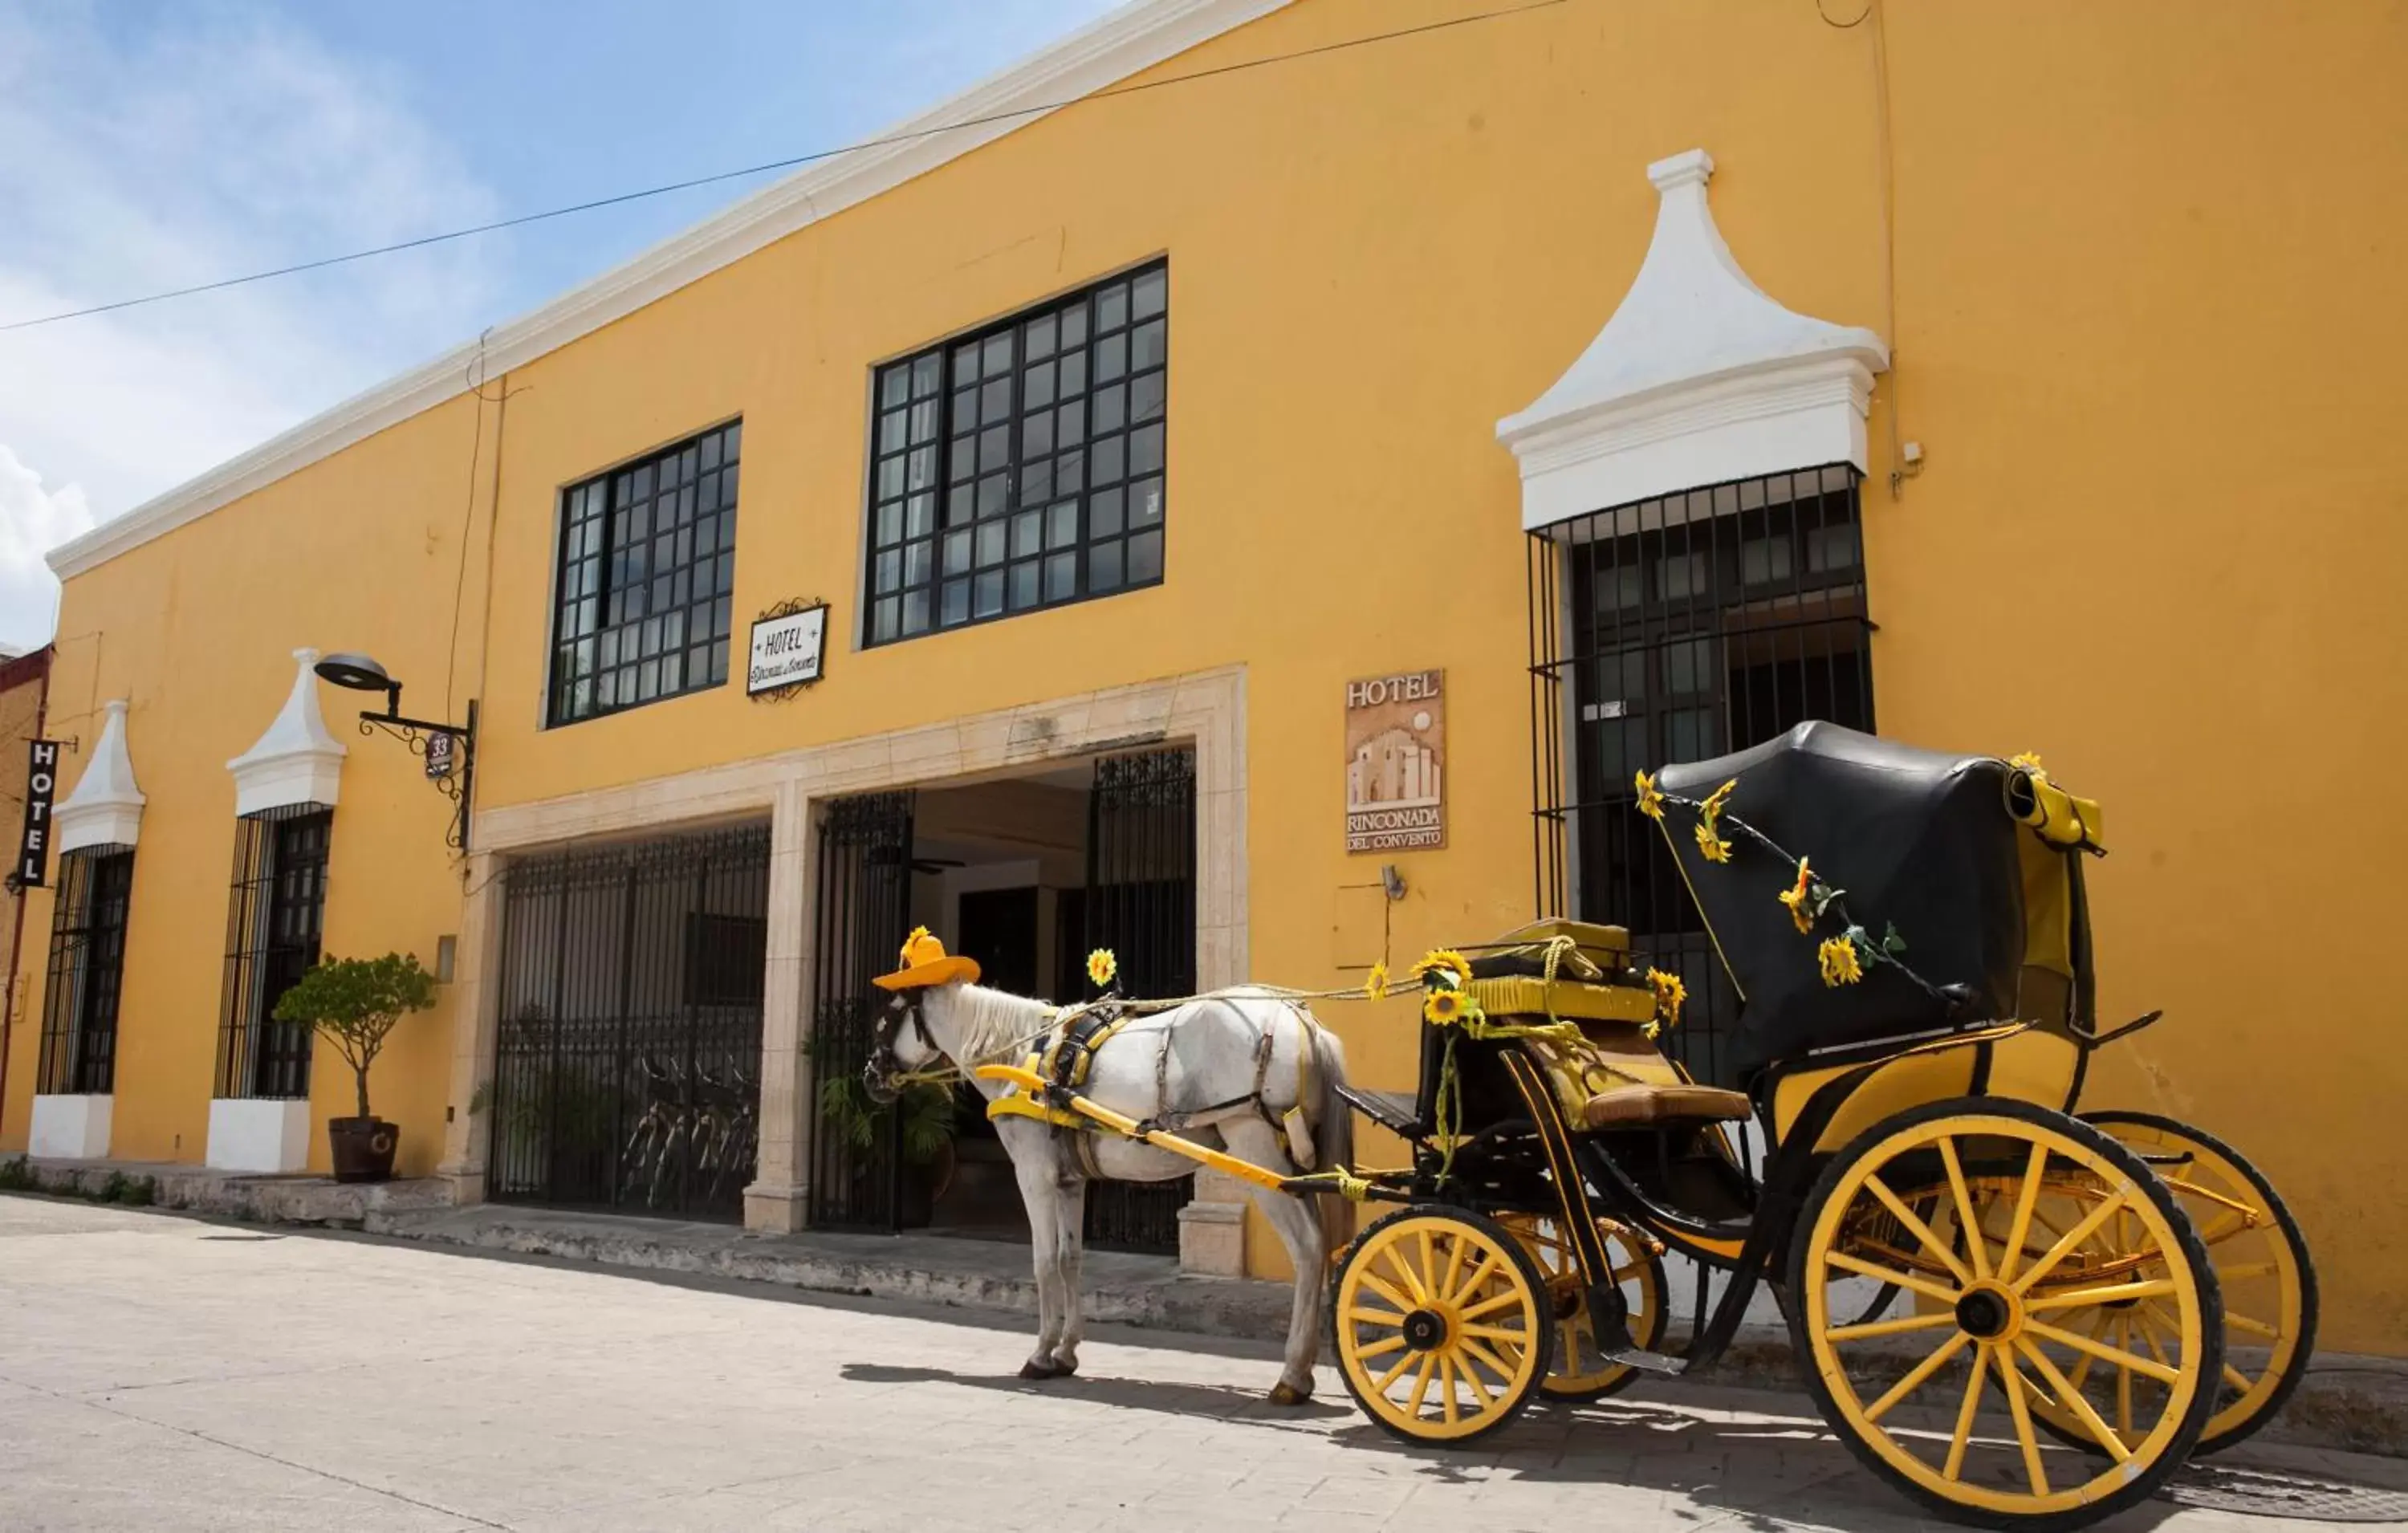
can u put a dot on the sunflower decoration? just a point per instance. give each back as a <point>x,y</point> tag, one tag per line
<point>919,935</point>
<point>1670,994</point>
<point>1839,959</point>
<point>1445,1008</point>
<point>1102,967</point>
<point>1651,797</point>
<point>1798,897</point>
<point>1375,984</point>
<point>2029,760</point>
<point>1444,961</point>
<point>1710,842</point>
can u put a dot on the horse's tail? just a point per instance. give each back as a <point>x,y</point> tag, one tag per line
<point>1333,1133</point>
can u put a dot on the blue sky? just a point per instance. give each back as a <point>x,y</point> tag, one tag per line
<point>148,144</point>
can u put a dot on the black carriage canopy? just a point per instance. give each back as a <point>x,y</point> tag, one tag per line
<point>1969,863</point>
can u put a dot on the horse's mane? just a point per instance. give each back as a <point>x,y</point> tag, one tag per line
<point>992,1020</point>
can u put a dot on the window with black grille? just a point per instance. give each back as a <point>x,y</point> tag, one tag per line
<point>641,603</point>
<point>87,972</point>
<point>1672,630</point>
<point>273,919</point>
<point>1021,467</point>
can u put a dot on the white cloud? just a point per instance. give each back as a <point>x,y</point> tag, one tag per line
<point>32,519</point>
<point>201,145</point>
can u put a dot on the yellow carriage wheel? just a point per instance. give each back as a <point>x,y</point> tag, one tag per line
<point>2262,1271</point>
<point>1945,1401</point>
<point>1442,1324</point>
<point>1580,1373</point>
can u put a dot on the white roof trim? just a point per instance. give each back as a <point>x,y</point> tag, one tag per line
<point>106,809</point>
<point>1128,41</point>
<point>1698,377</point>
<point>299,761</point>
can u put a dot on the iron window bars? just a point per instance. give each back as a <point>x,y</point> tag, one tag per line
<point>628,1068</point>
<point>273,919</point>
<point>87,970</point>
<point>641,603</point>
<point>1670,630</point>
<point>1021,467</point>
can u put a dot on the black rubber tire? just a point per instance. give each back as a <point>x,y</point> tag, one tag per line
<point>1530,1275</point>
<point>2210,1363</point>
<point>2297,1368</point>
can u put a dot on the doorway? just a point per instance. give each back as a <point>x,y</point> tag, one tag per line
<point>1027,875</point>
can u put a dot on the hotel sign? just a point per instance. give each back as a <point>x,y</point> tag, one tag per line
<point>787,647</point>
<point>34,847</point>
<point>1396,762</point>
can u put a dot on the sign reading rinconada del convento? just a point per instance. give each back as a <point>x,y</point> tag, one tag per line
<point>1396,762</point>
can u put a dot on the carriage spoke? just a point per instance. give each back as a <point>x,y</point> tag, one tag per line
<point>1359,1316</point>
<point>2071,1398</point>
<point>2067,1244</point>
<point>1381,1349</point>
<point>1397,1371</point>
<point>2255,1328</point>
<point>1886,1274</point>
<point>2244,1271</point>
<point>2223,1230</point>
<point>1871,1328</point>
<point>1387,1291</point>
<point>2019,1228</point>
<point>2239,1380</point>
<point>1446,1388</point>
<point>1497,1333</point>
<point>2151,1318</point>
<point>1403,1268</point>
<point>1491,1305</point>
<point>1428,1289</point>
<point>2131,1361</point>
<point>1917,1375</point>
<point>2124,1381</point>
<point>1916,1227</point>
<point>2021,1410</point>
<point>2114,1294</point>
<point>1965,1414</point>
<point>1421,1383</point>
<point>1489,1266</point>
<point>1445,1285</point>
<point>1965,1220</point>
<point>1474,1352</point>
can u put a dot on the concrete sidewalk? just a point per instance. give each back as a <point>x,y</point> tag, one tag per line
<point>2349,1403</point>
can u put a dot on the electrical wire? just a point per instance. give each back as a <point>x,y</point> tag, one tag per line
<point>913,135</point>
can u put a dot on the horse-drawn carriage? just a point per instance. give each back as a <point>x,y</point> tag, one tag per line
<point>1966,1266</point>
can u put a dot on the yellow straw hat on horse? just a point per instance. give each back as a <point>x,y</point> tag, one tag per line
<point>925,963</point>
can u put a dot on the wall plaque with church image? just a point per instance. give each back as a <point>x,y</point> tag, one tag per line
<point>1396,762</point>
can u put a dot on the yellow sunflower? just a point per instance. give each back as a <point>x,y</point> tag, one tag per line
<point>1444,961</point>
<point>1838,958</point>
<point>1670,994</point>
<point>1102,966</point>
<point>1710,842</point>
<point>1651,797</point>
<point>1375,984</point>
<point>919,935</point>
<point>1795,898</point>
<point>2027,761</point>
<point>1445,1008</point>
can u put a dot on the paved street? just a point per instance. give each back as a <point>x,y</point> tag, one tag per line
<point>159,1372</point>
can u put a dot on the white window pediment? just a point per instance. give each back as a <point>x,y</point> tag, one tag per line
<point>1698,377</point>
<point>298,761</point>
<point>106,809</point>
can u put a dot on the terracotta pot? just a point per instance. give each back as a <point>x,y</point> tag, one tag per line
<point>362,1148</point>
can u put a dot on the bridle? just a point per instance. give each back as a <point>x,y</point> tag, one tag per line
<point>882,1077</point>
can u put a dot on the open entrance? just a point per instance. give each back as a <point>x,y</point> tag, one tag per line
<point>628,1074</point>
<point>1027,875</point>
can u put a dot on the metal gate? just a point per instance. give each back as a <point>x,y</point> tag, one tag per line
<point>1674,630</point>
<point>627,1073</point>
<point>864,911</point>
<point>1141,903</point>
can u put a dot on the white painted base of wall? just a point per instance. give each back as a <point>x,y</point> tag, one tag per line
<point>266,1137</point>
<point>70,1127</point>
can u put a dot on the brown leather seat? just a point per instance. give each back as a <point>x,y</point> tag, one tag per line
<point>1633,1107</point>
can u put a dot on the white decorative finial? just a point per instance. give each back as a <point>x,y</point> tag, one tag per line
<point>298,760</point>
<point>1690,167</point>
<point>106,809</point>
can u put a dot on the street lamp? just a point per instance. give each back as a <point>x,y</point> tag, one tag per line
<point>438,743</point>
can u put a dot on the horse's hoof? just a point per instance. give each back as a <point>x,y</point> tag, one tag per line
<point>1284,1393</point>
<point>1035,1370</point>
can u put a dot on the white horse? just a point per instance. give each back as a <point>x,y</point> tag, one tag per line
<point>1198,1068</point>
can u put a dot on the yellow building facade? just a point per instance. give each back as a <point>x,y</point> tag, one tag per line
<point>2066,414</point>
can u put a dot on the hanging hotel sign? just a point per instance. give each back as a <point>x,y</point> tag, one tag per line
<point>789,641</point>
<point>1396,762</point>
<point>34,847</point>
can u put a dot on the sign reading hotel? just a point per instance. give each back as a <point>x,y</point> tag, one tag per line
<point>787,649</point>
<point>1396,762</point>
<point>34,846</point>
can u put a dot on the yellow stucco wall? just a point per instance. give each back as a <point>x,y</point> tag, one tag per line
<point>2144,308</point>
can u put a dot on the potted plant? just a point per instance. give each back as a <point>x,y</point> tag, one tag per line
<point>927,1136</point>
<point>356,1002</point>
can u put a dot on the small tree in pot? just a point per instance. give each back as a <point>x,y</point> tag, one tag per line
<point>356,1002</point>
